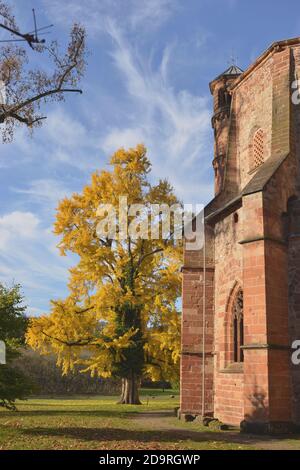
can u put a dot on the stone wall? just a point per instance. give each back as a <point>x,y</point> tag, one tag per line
<point>255,247</point>
<point>228,278</point>
<point>193,279</point>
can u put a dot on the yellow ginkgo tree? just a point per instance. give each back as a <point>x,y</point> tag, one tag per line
<point>120,317</point>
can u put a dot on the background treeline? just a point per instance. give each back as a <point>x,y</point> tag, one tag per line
<point>28,373</point>
<point>47,378</point>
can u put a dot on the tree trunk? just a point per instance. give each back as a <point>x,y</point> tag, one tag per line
<point>130,391</point>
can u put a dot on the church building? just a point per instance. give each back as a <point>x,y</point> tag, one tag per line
<point>241,294</point>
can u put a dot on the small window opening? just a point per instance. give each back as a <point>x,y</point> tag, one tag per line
<point>238,328</point>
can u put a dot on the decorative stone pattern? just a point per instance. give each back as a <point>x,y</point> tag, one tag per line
<point>258,148</point>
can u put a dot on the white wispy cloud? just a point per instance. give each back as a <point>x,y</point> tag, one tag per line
<point>44,191</point>
<point>93,13</point>
<point>63,140</point>
<point>17,225</point>
<point>28,255</point>
<point>175,125</point>
<point>154,12</point>
<point>127,138</point>
<point>136,99</point>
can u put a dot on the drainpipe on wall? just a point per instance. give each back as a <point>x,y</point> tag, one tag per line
<point>203,323</point>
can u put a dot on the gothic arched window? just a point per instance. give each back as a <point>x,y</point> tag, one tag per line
<point>258,148</point>
<point>238,328</point>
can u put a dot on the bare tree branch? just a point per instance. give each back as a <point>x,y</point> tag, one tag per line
<point>24,120</point>
<point>26,89</point>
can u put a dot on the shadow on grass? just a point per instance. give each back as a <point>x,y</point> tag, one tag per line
<point>142,436</point>
<point>84,413</point>
<point>164,431</point>
<point>117,434</point>
<point>106,413</point>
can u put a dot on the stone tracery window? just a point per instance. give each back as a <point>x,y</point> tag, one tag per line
<point>238,328</point>
<point>258,145</point>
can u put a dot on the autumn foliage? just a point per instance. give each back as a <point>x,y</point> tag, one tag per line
<point>120,317</point>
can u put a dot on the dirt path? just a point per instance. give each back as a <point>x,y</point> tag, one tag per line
<point>164,421</point>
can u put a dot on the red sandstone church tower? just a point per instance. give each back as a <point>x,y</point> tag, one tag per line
<point>241,304</point>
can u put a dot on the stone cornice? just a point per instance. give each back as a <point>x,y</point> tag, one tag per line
<point>265,346</point>
<point>263,238</point>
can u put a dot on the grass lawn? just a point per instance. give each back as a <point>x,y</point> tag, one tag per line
<point>99,423</point>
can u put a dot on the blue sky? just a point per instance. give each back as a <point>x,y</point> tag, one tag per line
<point>147,81</point>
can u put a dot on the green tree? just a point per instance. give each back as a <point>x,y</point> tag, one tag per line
<point>13,322</point>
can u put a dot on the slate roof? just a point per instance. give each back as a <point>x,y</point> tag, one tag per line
<point>258,182</point>
<point>264,174</point>
<point>232,70</point>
